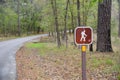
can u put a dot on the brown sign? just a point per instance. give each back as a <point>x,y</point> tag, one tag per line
<point>83,35</point>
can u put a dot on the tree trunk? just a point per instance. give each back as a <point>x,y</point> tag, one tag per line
<point>65,19</point>
<point>104,26</point>
<point>72,16</point>
<point>83,13</point>
<point>57,26</point>
<point>78,12</point>
<point>72,22</point>
<point>54,21</point>
<point>54,7</point>
<point>119,20</point>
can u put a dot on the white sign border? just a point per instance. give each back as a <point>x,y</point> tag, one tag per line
<point>83,27</point>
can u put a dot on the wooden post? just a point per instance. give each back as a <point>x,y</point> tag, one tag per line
<point>83,49</point>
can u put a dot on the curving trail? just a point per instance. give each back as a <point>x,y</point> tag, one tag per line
<point>8,51</point>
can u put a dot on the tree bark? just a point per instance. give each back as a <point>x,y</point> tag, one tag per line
<point>104,26</point>
<point>65,19</point>
<point>54,21</point>
<point>54,7</point>
<point>78,12</point>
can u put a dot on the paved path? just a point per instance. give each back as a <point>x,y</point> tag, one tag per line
<point>8,50</point>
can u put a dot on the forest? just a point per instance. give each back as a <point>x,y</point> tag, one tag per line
<point>58,19</point>
<point>34,16</point>
<point>28,17</point>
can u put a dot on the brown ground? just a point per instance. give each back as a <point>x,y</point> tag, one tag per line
<point>65,66</point>
<point>31,66</point>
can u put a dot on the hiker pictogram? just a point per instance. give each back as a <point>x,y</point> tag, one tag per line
<point>83,36</point>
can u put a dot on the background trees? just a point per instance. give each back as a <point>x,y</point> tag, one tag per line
<point>20,17</point>
<point>36,15</point>
<point>28,17</point>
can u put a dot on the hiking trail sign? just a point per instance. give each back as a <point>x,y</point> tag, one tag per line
<point>83,35</point>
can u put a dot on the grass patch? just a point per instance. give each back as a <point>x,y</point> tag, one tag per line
<point>116,68</point>
<point>41,47</point>
<point>46,48</point>
<point>99,60</point>
<point>109,62</point>
<point>118,77</point>
<point>36,45</point>
<point>96,62</point>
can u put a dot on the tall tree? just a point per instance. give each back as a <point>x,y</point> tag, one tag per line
<point>54,7</point>
<point>65,19</point>
<point>104,26</point>
<point>78,12</point>
<point>119,19</point>
<point>72,15</point>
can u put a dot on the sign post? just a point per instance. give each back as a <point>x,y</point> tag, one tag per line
<point>83,37</point>
<point>83,49</point>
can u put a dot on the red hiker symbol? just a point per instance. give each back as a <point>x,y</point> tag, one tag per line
<point>83,35</point>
